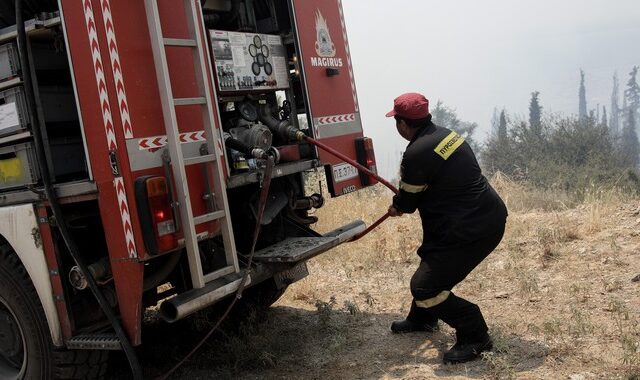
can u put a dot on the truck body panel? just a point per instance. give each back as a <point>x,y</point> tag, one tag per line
<point>123,130</point>
<point>330,86</point>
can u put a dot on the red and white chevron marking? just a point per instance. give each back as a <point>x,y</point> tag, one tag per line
<point>126,217</point>
<point>326,120</point>
<point>99,71</point>
<point>107,119</point>
<point>346,44</point>
<point>156,142</point>
<point>190,137</point>
<point>123,104</point>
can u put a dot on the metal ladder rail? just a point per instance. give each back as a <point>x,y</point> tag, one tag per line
<point>211,133</point>
<point>169,103</point>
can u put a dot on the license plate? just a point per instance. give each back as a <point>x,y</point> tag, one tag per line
<point>343,172</point>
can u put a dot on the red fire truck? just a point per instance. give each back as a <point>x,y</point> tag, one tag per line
<point>134,137</point>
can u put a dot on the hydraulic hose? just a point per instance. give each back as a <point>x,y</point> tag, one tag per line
<point>302,136</point>
<point>36,128</point>
<point>264,194</point>
<point>348,160</point>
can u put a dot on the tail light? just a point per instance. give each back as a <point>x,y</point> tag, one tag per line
<point>156,214</point>
<point>367,158</point>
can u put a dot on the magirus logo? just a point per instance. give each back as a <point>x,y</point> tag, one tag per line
<point>325,47</point>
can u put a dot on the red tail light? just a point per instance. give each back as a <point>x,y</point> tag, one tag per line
<point>156,215</point>
<point>366,157</point>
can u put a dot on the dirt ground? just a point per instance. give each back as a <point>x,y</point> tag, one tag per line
<point>561,295</point>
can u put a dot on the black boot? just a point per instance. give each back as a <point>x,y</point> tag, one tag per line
<point>471,329</point>
<point>419,319</point>
<point>464,351</point>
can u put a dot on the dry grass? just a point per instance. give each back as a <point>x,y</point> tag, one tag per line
<point>546,291</point>
<point>557,295</point>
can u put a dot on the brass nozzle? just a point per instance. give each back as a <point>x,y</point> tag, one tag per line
<point>300,135</point>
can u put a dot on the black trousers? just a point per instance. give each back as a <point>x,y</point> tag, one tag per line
<point>440,270</point>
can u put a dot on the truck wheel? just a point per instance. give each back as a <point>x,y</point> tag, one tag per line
<point>26,349</point>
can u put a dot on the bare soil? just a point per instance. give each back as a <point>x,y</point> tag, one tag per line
<point>561,295</point>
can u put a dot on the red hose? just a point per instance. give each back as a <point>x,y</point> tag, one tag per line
<point>370,228</point>
<point>362,169</point>
<point>350,161</point>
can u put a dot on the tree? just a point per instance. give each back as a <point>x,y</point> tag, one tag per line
<point>502,127</point>
<point>614,122</point>
<point>603,122</point>
<point>495,120</point>
<point>630,148</point>
<point>535,114</point>
<point>582,95</point>
<point>632,99</point>
<point>447,117</point>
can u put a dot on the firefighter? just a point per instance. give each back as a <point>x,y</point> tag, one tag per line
<point>463,220</point>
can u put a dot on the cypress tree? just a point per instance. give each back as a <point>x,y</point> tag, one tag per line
<point>502,127</point>
<point>614,122</point>
<point>630,152</point>
<point>535,114</point>
<point>582,98</point>
<point>632,98</point>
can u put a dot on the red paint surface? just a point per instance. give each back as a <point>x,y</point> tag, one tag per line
<point>328,96</point>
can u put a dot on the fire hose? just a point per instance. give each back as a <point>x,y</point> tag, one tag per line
<point>361,168</point>
<point>264,192</point>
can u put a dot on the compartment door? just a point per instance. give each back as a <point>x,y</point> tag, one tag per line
<point>330,89</point>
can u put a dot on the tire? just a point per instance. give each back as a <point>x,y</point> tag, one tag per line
<point>26,348</point>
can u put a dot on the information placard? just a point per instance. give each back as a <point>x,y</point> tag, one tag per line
<point>249,61</point>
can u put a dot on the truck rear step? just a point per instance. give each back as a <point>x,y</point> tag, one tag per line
<point>296,249</point>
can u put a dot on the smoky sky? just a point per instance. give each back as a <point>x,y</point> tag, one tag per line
<point>476,55</point>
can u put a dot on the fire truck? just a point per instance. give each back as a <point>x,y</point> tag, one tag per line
<point>135,139</point>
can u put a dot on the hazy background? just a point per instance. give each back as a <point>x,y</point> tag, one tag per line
<point>477,55</point>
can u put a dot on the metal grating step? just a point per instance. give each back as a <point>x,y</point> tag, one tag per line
<point>94,342</point>
<point>296,249</point>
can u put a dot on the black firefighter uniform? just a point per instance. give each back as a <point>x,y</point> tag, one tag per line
<point>463,220</point>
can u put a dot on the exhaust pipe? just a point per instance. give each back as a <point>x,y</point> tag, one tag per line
<point>187,303</point>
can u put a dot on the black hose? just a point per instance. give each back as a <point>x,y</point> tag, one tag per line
<point>264,194</point>
<point>36,129</point>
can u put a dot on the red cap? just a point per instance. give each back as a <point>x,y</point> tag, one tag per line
<point>410,106</point>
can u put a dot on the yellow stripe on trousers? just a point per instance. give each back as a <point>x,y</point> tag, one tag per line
<point>431,302</point>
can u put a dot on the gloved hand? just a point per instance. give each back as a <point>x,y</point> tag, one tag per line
<point>394,211</point>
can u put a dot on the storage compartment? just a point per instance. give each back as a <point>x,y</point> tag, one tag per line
<point>13,111</point>
<point>18,166</point>
<point>58,104</point>
<point>68,159</point>
<point>9,62</point>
